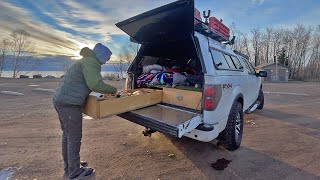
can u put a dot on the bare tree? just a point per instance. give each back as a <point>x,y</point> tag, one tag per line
<point>119,68</point>
<point>4,52</point>
<point>256,44</point>
<point>21,49</point>
<point>268,37</point>
<point>241,43</point>
<point>127,54</point>
<point>302,35</point>
<point>313,66</point>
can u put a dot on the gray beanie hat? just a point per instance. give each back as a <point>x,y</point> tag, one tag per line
<point>102,53</point>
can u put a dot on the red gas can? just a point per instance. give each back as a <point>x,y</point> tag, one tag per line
<point>217,25</point>
<point>197,16</point>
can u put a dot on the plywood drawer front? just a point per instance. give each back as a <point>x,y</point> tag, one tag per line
<point>92,108</point>
<point>120,105</point>
<point>188,99</point>
<point>112,106</point>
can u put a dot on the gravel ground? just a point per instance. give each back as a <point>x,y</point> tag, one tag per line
<point>280,142</point>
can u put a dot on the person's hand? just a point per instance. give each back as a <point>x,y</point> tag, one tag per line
<point>118,94</point>
<point>115,94</point>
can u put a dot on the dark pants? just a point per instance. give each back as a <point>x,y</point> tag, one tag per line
<point>71,124</point>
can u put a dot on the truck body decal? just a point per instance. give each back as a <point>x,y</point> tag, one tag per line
<point>227,87</point>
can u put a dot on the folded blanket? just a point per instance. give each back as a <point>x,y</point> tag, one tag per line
<point>154,67</point>
<point>164,78</point>
<point>144,79</point>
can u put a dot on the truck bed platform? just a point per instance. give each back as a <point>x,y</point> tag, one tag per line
<point>165,119</point>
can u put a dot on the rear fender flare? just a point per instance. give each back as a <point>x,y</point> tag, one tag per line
<point>237,93</point>
<point>237,99</point>
<point>223,124</point>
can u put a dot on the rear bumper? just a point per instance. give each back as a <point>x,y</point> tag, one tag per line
<point>207,136</point>
<point>200,134</point>
<point>204,136</point>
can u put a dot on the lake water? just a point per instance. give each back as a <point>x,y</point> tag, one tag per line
<point>8,74</point>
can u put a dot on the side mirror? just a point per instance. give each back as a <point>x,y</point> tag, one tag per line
<point>262,74</point>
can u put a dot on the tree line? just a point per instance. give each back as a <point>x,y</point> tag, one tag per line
<point>296,47</point>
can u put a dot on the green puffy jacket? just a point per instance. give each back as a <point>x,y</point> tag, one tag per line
<point>82,77</point>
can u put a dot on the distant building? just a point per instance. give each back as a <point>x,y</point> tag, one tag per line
<point>276,72</point>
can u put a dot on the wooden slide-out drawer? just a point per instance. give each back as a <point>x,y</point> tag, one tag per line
<point>183,98</point>
<point>112,105</point>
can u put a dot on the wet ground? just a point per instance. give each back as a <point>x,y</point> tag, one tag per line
<point>280,142</point>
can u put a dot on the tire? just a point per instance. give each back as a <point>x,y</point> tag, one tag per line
<point>231,136</point>
<point>261,99</point>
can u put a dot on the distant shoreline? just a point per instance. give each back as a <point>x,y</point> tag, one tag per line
<point>51,74</point>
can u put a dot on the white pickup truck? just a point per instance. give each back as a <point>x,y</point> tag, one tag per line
<point>230,88</point>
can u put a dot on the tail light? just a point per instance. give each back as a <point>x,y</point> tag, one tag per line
<point>211,98</point>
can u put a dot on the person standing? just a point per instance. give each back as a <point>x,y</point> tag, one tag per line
<point>70,97</point>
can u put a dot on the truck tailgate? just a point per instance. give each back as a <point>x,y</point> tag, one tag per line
<point>165,119</point>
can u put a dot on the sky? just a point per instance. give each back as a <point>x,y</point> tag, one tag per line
<point>63,27</point>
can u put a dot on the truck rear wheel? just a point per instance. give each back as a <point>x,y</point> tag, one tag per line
<point>231,136</point>
<point>260,99</point>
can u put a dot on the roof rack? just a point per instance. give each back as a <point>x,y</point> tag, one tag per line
<point>205,30</point>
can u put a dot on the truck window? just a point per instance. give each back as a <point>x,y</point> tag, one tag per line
<point>246,65</point>
<point>219,60</point>
<point>253,70</point>
<point>249,66</point>
<point>230,62</point>
<point>236,62</point>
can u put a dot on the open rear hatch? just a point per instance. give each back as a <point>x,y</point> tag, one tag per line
<point>172,22</point>
<point>165,32</point>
